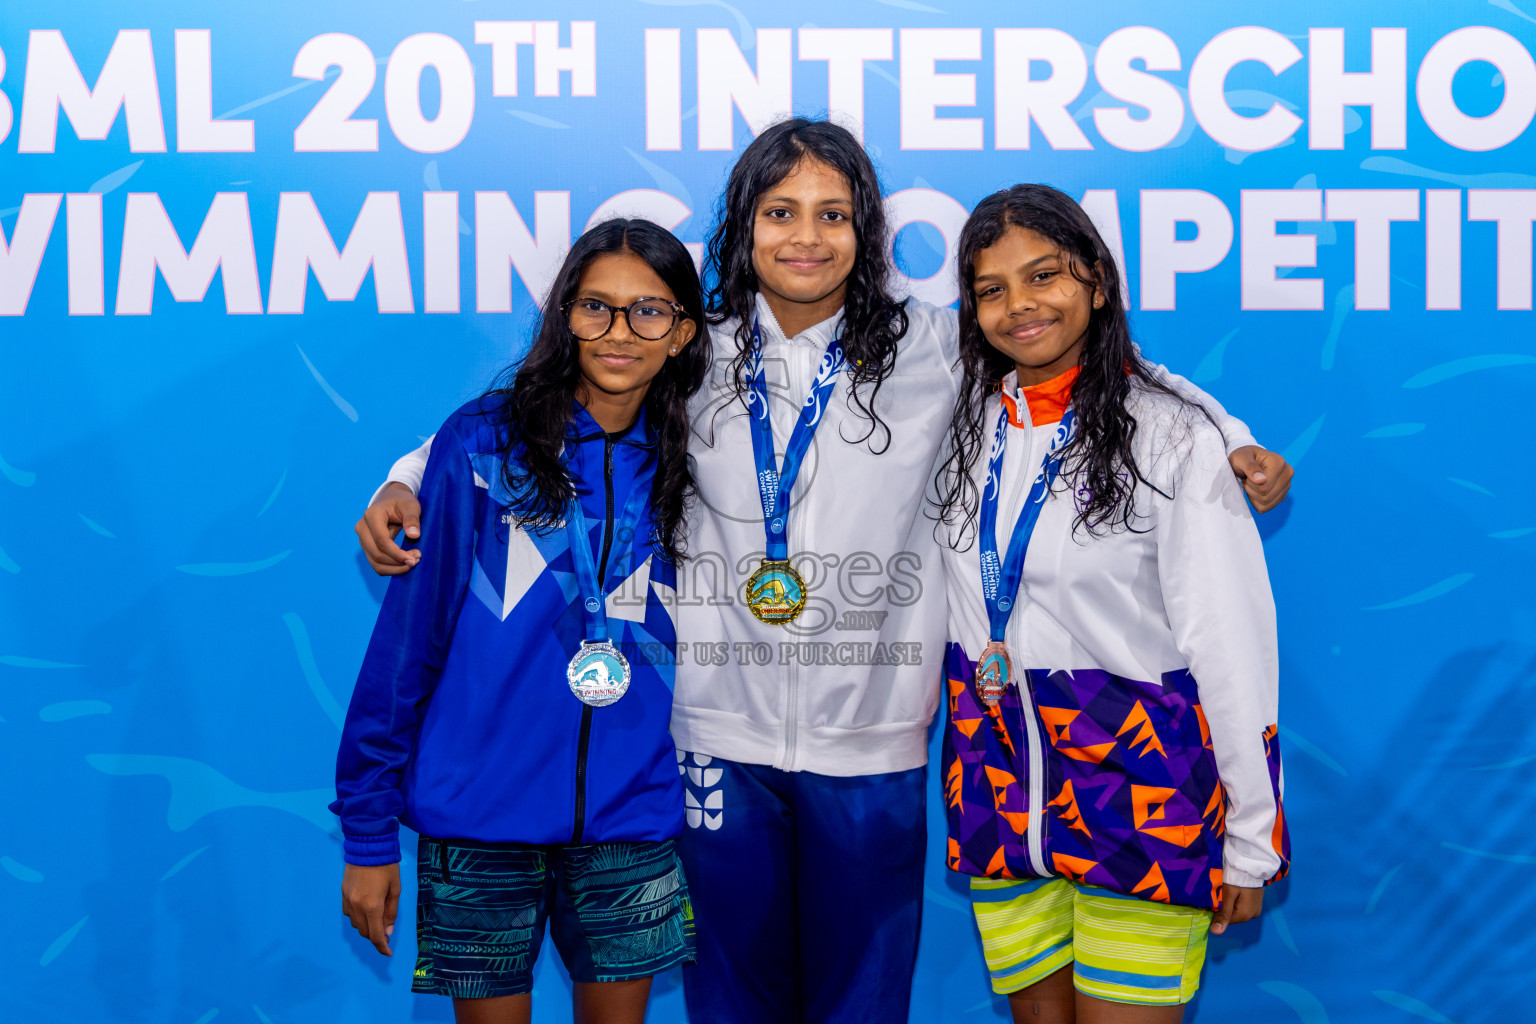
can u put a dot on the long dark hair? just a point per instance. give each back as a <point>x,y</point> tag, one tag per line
<point>873,322</point>
<point>534,407</point>
<point>1098,463</point>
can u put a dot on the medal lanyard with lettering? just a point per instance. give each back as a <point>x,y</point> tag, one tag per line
<point>776,592</point>
<point>599,673</point>
<point>1001,577</point>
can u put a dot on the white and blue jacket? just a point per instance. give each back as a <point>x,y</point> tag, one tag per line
<point>462,725</point>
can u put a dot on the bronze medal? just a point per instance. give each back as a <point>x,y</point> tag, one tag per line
<point>994,673</point>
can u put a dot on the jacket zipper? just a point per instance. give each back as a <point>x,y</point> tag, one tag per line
<point>1037,812</point>
<point>584,740</point>
<point>796,543</point>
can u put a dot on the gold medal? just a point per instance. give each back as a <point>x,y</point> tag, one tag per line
<point>994,672</point>
<point>776,593</point>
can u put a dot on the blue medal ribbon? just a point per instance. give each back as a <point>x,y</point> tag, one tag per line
<point>775,484</point>
<point>594,597</point>
<point>1000,578</point>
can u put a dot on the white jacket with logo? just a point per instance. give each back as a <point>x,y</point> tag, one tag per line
<point>851,686</point>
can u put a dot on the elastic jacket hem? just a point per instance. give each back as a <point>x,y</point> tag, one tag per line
<point>1232,876</point>
<point>824,750</point>
<point>369,851</point>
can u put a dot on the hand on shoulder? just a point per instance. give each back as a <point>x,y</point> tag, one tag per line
<point>1266,476</point>
<point>394,509</point>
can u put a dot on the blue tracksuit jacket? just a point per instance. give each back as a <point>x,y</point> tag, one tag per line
<point>462,724</point>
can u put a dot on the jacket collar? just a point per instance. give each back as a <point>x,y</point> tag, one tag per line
<point>583,427</point>
<point>1046,402</point>
<point>818,335</point>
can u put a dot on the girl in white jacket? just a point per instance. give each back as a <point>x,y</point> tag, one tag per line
<point>1111,760</point>
<point>809,654</point>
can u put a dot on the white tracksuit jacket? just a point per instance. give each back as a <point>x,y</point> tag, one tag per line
<point>1148,671</point>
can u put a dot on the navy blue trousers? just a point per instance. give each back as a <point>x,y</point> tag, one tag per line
<point>807,893</point>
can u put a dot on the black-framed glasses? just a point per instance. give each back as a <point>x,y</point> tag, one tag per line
<point>649,318</point>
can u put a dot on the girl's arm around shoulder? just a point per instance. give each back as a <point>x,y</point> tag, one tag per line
<point>937,330</point>
<point>393,508</point>
<point>405,657</point>
<point>1216,591</point>
<point>407,470</point>
<point>1234,432</point>
<point>1265,474</point>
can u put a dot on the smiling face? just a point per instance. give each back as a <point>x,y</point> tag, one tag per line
<point>617,368</point>
<point>803,244</point>
<point>1030,306</point>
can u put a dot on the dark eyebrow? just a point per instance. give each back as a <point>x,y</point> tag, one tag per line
<point>612,299</point>
<point>792,201</point>
<point>994,278</point>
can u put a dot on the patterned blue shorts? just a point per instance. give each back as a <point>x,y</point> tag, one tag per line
<point>617,911</point>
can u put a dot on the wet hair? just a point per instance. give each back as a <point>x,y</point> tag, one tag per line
<point>873,322</point>
<point>535,405</point>
<point>1099,461</point>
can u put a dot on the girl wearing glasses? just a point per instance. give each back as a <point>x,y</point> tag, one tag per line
<point>813,602</point>
<point>514,702</point>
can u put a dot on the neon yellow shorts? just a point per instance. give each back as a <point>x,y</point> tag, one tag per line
<point>1122,948</point>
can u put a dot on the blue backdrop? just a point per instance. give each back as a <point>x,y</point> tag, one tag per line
<point>183,605</point>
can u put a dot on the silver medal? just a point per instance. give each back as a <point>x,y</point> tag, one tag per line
<point>598,673</point>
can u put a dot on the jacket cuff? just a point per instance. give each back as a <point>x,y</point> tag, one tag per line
<point>1235,876</point>
<point>367,851</point>
<point>1233,439</point>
